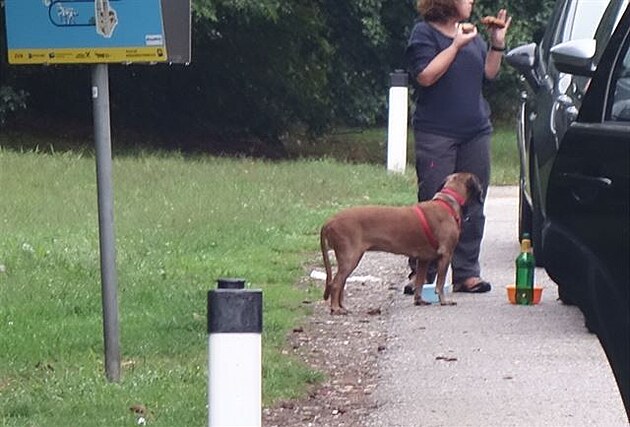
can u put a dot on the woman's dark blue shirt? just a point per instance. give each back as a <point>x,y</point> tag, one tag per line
<point>454,105</point>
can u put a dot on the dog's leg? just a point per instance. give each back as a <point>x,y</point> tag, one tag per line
<point>336,292</point>
<point>421,277</point>
<point>324,246</point>
<point>346,263</point>
<point>442,268</point>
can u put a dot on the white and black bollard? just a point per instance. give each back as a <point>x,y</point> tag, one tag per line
<point>397,122</point>
<point>234,355</point>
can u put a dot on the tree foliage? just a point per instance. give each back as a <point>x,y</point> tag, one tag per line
<point>260,68</point>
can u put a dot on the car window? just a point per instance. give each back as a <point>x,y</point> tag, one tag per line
<point>620,109</point>
<point>571,19</point>
<point>607,26</point>
<point>585,20</point>
<point>556,23</point>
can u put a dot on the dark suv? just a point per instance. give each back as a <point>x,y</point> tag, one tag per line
<point>552,100</point>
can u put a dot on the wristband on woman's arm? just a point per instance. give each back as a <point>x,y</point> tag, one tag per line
<point>497,49</point>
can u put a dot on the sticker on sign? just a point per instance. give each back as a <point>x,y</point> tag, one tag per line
<point>154,40</point>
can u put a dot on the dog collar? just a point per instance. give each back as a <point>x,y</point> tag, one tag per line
<point>455,195</point>
<point>425,226</point>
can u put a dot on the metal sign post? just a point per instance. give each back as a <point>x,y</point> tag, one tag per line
<point>109,286</point>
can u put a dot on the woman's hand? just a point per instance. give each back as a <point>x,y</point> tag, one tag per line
<point>462,38</point>
<point>497,35</point>
<point>497,43</point>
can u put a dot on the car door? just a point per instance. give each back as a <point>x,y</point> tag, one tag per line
<point>555,109</point>
<point>540,145</point>
<point>586,236</point>
<point>546,108</point>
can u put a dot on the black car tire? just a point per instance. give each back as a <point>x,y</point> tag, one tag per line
<point>564,296</point>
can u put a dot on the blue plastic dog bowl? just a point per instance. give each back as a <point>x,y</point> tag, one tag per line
<point>429,295</point>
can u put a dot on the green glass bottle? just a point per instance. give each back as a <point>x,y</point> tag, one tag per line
<point>525,273</point>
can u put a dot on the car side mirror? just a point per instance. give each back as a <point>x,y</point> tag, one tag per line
<point>575,57</point>
<point>523,59</point>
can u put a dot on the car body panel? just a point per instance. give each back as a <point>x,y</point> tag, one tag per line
<point>586,232</point>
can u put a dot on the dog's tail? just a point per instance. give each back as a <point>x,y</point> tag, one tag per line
<point>324,245</point>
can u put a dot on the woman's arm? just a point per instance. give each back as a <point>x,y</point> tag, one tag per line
<point>493,62</point>
<point>443,60</point>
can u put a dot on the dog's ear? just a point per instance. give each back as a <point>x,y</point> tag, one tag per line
<point>474,188</point>
<point>442,184</point>
<point>457,176</point>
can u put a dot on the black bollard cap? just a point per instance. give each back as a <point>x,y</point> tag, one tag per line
<point>233,309</point>
<point>224,283</point>
<point>399,78</point>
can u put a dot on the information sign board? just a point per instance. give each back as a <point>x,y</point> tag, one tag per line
<point>84,31</point>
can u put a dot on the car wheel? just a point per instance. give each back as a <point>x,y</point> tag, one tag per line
<point>589,324</point>
<point>564,296</point>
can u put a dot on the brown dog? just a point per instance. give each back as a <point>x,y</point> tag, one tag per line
<point>427,231</point>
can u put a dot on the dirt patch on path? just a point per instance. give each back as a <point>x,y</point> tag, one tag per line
<point>345,348</point>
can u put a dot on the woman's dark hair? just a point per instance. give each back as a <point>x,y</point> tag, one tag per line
<point>437,10</point>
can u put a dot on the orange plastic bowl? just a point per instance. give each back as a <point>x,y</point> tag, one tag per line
<point>511,293</point>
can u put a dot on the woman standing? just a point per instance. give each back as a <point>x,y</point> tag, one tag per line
<point>450,62</point>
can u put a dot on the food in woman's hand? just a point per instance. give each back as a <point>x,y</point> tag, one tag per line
<point>467,27</point>
<point>492,21</point>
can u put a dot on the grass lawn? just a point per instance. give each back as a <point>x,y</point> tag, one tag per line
<point>181,223</point>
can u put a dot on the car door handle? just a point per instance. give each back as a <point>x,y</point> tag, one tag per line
<point>565,100</point>
<point>586,180</point>
<point>569,107</point>
<point>585,189</point>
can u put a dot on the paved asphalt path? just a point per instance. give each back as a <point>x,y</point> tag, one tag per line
<point>485,362</point>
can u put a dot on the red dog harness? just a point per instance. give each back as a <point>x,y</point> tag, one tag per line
<point>423,219</point>
<point>450,209</point>
<point>425,227</point>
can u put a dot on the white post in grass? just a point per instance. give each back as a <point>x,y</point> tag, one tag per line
<point>397,122</point>
<point>234,355</point>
